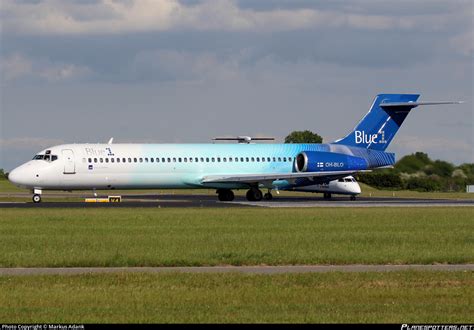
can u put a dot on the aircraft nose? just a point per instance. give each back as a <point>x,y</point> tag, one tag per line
<point>356,188</point>
<point>15,176</point>
<point>18,176</point>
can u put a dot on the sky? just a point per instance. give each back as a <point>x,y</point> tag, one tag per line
<point>169,71</point>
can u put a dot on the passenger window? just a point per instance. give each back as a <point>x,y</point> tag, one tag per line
<point>224,160</point>
<point>106,160</point>
<point>279,159</point>
<point>146,160</point>
<point>268,159</point>
<point>242,159</point>
<point>190,159</point>
<point>284,159</point>
<point>174,159</point>
<point>274,159</point>
<point>219,159</point>
<point>141,160</point>
<point>230,159</point>
<point>207,160</point>
<point>197,159</point>
<point>112,160</point>
<point>157,159</point>
<point>258,159</point>
<point>179,159</point>
<point>212,159</point>
<point>247,159</point>
<point>90,160</point>
<point>118,160</point>
<point>169,160</point>
<point>185,159</point>
<point>101,160</point>
<point>263,159</point>
<point>95,160</point>
<point>152,160</point>
<point>124,160</point>
<point>129,160</point>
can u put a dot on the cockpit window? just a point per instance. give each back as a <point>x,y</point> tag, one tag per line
<point>347,180</point>
<point>47,157</point>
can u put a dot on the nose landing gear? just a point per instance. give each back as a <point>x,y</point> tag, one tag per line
<point>36,198</point>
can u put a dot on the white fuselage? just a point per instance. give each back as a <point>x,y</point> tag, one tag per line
<point>161,166</point>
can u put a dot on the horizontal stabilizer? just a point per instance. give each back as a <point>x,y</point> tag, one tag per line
<point>243,139</point>
<point>414,104</point>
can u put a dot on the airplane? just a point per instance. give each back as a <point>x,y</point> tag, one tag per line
<point>222,166</point>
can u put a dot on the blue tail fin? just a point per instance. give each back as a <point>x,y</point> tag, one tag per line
<point>377,129</point>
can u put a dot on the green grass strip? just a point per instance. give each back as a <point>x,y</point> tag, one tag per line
<point>196,237</point>
<point>403,297</point>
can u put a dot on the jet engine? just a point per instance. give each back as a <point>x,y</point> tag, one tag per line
<point>316,161</point>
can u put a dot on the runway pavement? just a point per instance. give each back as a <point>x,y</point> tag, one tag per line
<point>235,269</point>
<point>158,201</point>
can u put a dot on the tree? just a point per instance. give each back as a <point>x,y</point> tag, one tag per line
<point>303,137</point>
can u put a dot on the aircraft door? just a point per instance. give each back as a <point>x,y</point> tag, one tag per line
<point>69,163</point>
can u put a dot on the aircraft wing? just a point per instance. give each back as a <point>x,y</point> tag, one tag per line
<point>255,178</point>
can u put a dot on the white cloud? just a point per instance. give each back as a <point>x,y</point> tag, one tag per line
<point>110,16</point>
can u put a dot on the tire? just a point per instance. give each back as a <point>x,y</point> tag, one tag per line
<point>268,196</point>
<point>254,195</point>
<point>36,198</point>
<point>353,198</point>
<point>225,195</point>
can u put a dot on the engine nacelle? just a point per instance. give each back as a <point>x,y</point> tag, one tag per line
<point>315,161</point>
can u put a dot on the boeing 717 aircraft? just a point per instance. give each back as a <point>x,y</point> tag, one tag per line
<point>224,167</point>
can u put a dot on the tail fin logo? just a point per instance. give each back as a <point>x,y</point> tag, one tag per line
<point>363,138</point>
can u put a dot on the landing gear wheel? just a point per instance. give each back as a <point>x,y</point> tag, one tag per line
<point>254,195</point>
<point>353,198</point>
<point>36,198</point>
<point>327,196</point>
<point>225,195</point>
<point>268,196</point>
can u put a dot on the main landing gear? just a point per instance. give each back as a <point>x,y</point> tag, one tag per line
<point>327,196</point>
<point>225,195</point>
<point>253,195</point>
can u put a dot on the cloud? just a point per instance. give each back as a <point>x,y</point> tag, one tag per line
<point>59,17</point>
<point>28,143</point>
<point>17,66</point>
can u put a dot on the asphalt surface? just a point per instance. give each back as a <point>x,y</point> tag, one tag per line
<point>158,201</point>
<point>235,269</point>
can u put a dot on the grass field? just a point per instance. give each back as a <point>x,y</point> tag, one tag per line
<point>402,297</point>
<point>237,236</point>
